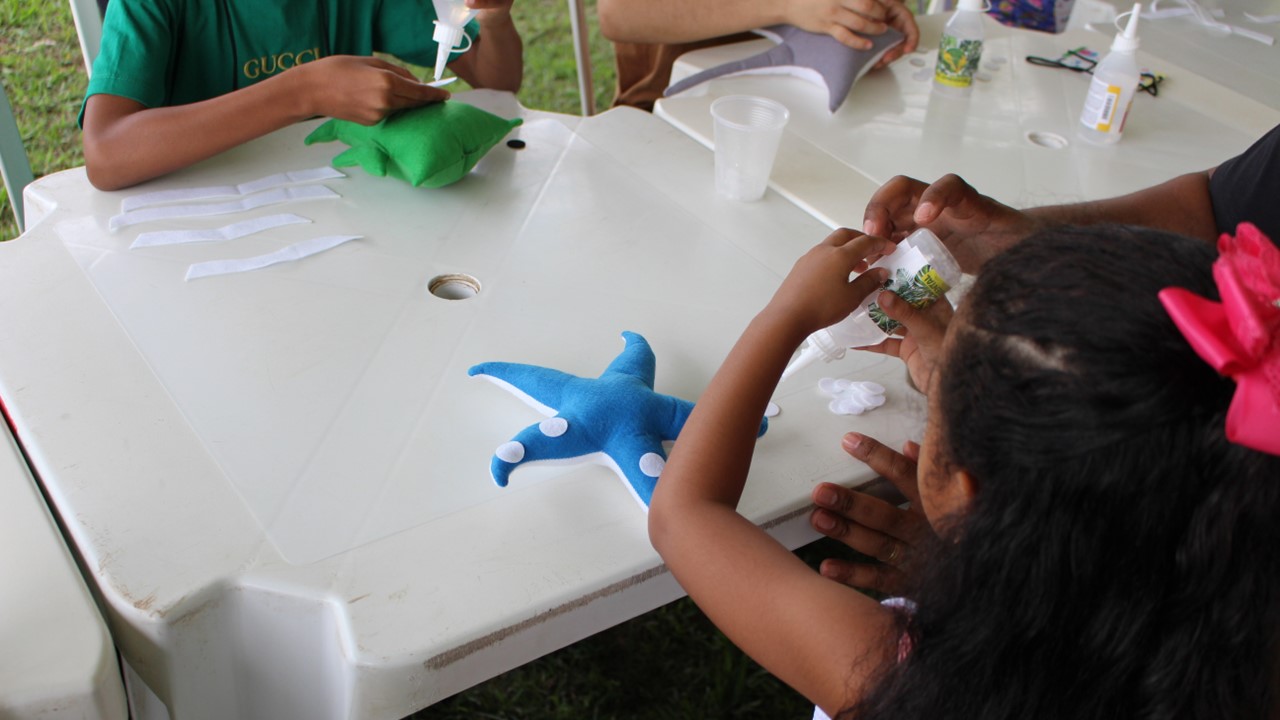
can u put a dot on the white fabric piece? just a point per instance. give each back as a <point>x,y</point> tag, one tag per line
<point>249,202</point>
<point>512,452</point>
<point>296,251</point>
<point>554,427</point>
<point>851,398</point>
<point>772,410</point>
<point>651,464</point>
<point>226,232</point>
<point>164,197</point>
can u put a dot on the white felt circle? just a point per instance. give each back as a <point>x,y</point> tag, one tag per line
<point>512,452</point>
<point>651,464</point>
<point>553,427</point>
<point>772,410</point>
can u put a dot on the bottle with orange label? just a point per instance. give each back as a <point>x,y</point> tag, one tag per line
<point>1115,82</point>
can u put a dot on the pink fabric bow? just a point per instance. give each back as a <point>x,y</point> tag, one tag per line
<point>1240,337</point>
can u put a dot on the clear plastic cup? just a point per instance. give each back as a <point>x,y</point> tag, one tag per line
<point>747,132</point>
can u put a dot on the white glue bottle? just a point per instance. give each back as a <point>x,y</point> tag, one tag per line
<point>960,49</point>
<point>921,271</point>
<point>1115,82</point>
<point>451,16</point>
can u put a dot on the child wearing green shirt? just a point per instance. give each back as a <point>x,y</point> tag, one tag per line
<point>178,81</point>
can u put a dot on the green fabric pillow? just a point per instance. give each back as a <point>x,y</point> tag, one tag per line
<point>431,146</point>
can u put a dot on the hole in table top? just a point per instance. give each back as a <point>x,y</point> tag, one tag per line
<point>1050,140</point>
<point>454,286</point>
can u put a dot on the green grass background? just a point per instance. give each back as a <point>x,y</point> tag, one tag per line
<point>670,663</point>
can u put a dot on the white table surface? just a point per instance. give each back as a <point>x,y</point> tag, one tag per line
<point>1240,64</point>
<point>892,124</point>
<point>58,661</point>
<point>280,479</point>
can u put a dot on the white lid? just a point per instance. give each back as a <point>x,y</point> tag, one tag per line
<point>1127,40</point>
<point>972,5</point>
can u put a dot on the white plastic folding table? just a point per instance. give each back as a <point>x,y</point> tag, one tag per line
<point>278,481</point>
<point>1013,138</point>
<point>58,661</point>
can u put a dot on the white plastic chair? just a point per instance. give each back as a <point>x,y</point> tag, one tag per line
<point>14,165</point>
<point>88,17</point>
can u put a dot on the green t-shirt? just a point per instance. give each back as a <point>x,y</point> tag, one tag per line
<point>174,52</point>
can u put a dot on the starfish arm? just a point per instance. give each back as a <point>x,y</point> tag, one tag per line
<point>678,410</point>
<point>675,413</point>
<point>776,56</point>
<point>640,459</point>
<point>636,359</point>
<point>553,439</point>
<point>541,388</point>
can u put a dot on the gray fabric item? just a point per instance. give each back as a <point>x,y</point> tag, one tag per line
<point>817,57</point>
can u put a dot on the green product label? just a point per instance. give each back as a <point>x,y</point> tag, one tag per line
<point>919,289</point>
<point>957,61</point>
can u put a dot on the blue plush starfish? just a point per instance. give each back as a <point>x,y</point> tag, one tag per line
<point>616,419</point>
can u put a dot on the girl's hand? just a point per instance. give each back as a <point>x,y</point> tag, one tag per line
<point>921,346</point>
<point>818,291</point>
<point>870,525</point>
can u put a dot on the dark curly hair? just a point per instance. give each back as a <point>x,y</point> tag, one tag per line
<point>1121,558</point>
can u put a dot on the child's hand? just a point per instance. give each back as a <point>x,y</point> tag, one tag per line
<point>843,19</point>
<point>818,292</point>
<point>973,226</point>
<point>363,89</point>
<point>921,347</point>
<point>870,525</point>
<point>491,10</point>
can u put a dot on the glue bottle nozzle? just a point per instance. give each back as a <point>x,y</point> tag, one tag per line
<point>808,354</point>
<point>1127,39</point>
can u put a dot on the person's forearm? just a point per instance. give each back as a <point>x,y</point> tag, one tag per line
<point>497,62</point>
<point>1180,205</point>
<point>653,21</point>
<point>149,143</point>
<point>711,458</point>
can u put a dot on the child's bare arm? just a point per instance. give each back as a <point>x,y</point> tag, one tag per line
<point>126,143</point>
<point>497,60</point>
<point>822,638</point>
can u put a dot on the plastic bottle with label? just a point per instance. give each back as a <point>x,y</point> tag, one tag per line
<point>960,49</point>
<point>922,270</point>
<point>1115,82</point>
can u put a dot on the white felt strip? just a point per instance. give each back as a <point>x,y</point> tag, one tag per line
<point>162,197</point>
<point>226,232</point>
<point>297,251</point>
<point>257,200</point>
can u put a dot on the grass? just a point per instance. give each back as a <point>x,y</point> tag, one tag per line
<point>670,663</point>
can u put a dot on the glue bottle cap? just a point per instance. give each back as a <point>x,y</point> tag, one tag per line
<point>972,5</point>
<point>1127,40</point>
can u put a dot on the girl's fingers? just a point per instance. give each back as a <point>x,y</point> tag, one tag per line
<point>842,511</point>
<point>873,543</point>
<point>879,577</point>
<point>892,465</point>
